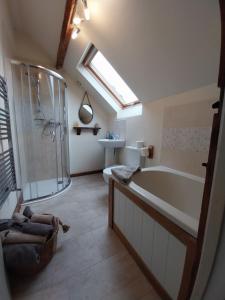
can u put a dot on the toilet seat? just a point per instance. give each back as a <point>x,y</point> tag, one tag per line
<point>107,172</point>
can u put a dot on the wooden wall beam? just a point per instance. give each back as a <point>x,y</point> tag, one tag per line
<point>67,29</point>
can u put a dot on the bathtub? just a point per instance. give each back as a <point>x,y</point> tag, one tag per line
<point>156,216</point>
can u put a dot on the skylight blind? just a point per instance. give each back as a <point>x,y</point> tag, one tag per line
<point>113,79</point>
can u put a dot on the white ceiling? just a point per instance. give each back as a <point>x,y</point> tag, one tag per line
<point>41,20</point>
<point>159,47</point>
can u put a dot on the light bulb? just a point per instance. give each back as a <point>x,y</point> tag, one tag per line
<point>75,33</point>
<point>87,13</point>
<point>76,20</point>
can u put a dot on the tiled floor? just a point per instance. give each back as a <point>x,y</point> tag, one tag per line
<point>91,262</point>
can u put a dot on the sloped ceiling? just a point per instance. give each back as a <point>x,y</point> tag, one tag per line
<point>160,47</point>
<point>41,20</point>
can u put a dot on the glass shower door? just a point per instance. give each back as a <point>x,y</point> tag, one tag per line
<point>42,132</point>
<point>61,116</point>
<point>42,168</point>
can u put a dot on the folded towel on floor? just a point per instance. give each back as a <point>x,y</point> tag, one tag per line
<point>26,227</point>
<point>19,217</point>
<point>6,224</point>
<point>34,228</point>
<point>44,219</point>
<point>28,212</point>
<point>16,237</point>
<point>21,256</point>
<point>124,174</point>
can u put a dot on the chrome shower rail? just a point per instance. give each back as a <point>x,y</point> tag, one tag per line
<point>50,72</point>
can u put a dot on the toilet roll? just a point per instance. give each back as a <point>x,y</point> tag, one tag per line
<point>140,144</point>
<point>144,151</point>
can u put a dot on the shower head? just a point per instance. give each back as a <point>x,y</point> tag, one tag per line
<point>35,82</point>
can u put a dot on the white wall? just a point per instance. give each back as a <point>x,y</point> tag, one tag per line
<point>167,58</point>
<point>160,48</point>
<point>216,288</point>
<point>149,126</point>
<point>86,154</point>
<point>29,51</point>
<point>6,37</point>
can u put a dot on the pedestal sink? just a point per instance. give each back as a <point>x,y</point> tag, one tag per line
<point>110,149</point>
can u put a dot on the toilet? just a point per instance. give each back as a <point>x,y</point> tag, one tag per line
<point>132,158</point>
<point>107,172</point>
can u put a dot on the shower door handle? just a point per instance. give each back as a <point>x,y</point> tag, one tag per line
<point>62,132</point>
<point>52,134</point>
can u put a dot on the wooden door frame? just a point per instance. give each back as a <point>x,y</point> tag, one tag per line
<point>210,165</point>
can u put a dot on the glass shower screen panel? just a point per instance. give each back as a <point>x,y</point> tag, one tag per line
<point>41,118</point>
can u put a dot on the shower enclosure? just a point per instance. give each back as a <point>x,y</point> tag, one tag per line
<point>42,130</point>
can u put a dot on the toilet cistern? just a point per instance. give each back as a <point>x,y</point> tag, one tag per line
<point>110,145</point>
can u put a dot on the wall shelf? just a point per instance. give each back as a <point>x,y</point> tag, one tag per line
<point>79,129</point>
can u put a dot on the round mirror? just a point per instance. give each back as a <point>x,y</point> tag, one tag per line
<point>85,111</point>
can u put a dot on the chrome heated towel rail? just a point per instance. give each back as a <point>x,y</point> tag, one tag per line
<point>7,168</point>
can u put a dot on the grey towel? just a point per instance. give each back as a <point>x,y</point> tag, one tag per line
<point>124,174</point>
<point>19,217</point>
<point>28,212</point>
<point>21,256</point>
<point>42,218</point>
<point>26,227</point>
<point>34,228</point>
<point>6,224</point>
<point>16,237</point>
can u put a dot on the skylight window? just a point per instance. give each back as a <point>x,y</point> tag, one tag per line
<point>104,72</point>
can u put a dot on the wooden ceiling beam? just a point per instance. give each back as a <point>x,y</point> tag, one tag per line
<point>67,29</point>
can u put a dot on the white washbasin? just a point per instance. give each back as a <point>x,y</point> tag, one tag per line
<point>107,143</point>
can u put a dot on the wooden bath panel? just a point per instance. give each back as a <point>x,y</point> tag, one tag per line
<point>164,251</point>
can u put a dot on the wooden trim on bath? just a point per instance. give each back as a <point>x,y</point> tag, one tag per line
<point>86,173</point>
<point>111,202</point>
<point>189,241</point>
<point>181,234</point>
<point>161,291</point>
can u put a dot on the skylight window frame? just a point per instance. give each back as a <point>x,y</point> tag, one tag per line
<point>86,63</point>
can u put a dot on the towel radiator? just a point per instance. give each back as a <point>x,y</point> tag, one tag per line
<point>7,167</point>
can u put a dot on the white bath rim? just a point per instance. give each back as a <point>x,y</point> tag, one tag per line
<point>183,220</point>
